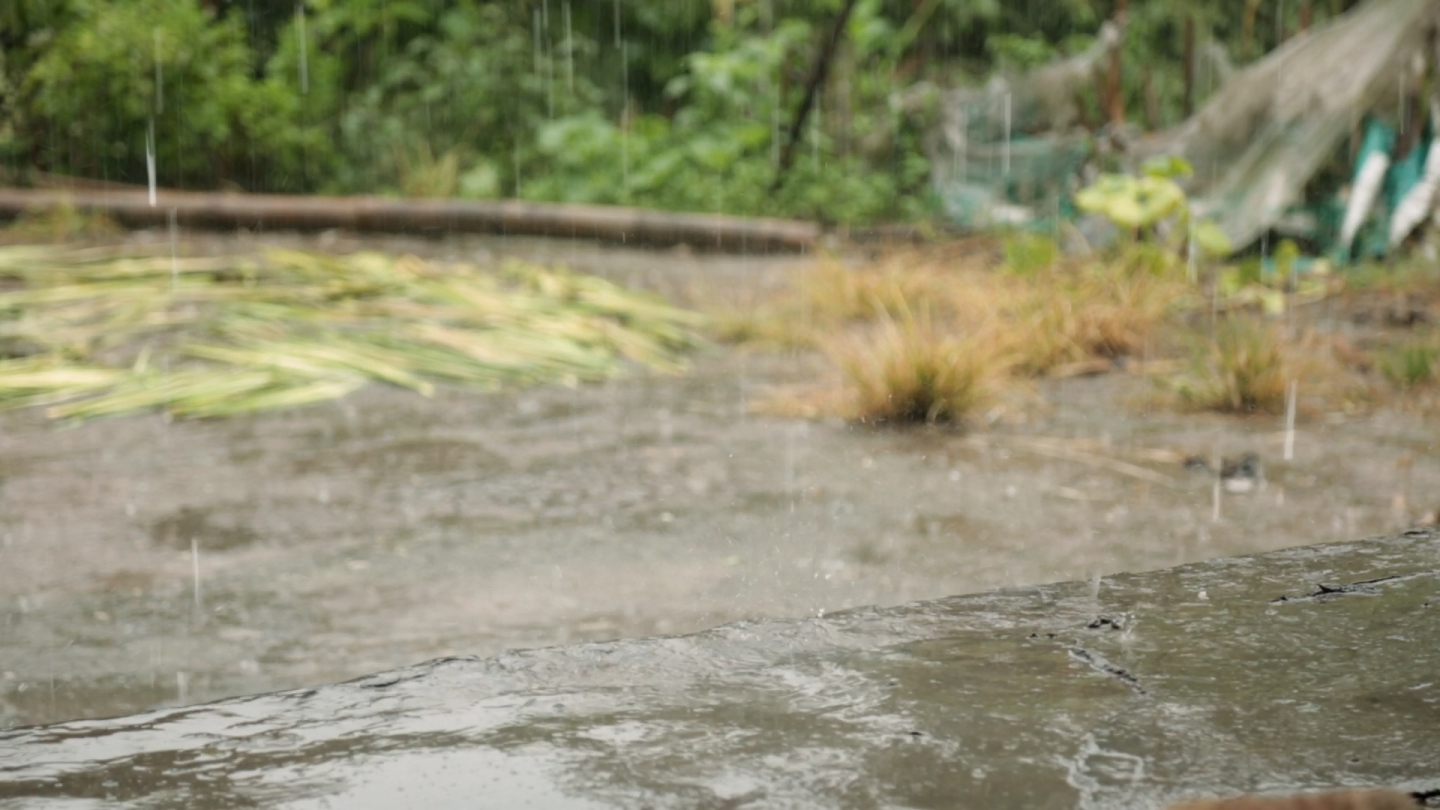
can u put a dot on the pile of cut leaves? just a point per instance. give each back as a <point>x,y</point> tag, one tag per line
<point>95,333</point>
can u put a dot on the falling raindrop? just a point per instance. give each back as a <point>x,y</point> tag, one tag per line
<point>1403,107</point>
<point>535,26</point>
<point>182,686</point>
<point>517,168</point>
<point>1005,149</point>
<point>815,135</point>
<point>174,253</point>
<point>159,77</point>
<point>195,571</point>
<point>150,159</point>
<point>624,116</point>
<point>743,382</point>
<point>775,129</point>
<point>549,56</point>
<point>1191,268</point>
<point>304,48</point>
<point>1290,420</point>
<point>962,151</point>
<point>790,461</point>
<point>569,51</point>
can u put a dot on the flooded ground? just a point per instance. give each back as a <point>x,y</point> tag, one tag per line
<point>147,563</point>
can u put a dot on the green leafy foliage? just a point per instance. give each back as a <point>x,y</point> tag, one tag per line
<point>159,75</point>
<point>682,104</point>
<point>717,151</point>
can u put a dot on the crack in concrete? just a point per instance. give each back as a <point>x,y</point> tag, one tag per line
<point>1101,665</point>
<point>1364,586</point>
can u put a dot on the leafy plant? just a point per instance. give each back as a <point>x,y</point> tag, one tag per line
<point>1147,203</point>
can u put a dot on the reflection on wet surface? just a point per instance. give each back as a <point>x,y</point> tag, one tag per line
<point>1125,692</point>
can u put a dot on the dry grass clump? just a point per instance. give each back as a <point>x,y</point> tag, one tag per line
<point>1044,314</point>
<point>1041,315</point>
<point>1242,369</point>
<point>908,370</point>
<point>1077,312</point>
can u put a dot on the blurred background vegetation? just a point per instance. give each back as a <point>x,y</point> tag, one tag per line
<point>672,104</point>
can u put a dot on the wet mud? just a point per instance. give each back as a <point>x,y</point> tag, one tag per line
<point>147,563</point>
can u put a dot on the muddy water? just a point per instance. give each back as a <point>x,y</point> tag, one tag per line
<point>387,529</point>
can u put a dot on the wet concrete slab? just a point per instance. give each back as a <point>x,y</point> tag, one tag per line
<point>1310,668</point>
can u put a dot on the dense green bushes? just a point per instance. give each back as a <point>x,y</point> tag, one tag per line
<point>677,104</point>
<point>160,75</point>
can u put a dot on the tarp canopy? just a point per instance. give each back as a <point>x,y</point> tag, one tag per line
<point>1261,138</point>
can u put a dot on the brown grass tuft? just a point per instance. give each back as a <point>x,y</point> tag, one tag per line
<point>1242,369</point>
<point>910,371</point>
<point>1045,315</point>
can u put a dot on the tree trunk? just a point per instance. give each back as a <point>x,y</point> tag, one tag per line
<point>1247,29</point>
<point>812,90</point>
<point>1114,88</point>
